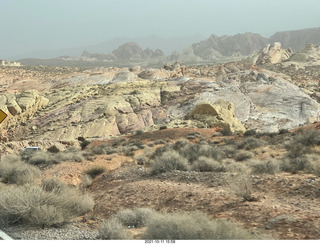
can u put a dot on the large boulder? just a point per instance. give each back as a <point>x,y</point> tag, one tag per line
<point>219,114</point>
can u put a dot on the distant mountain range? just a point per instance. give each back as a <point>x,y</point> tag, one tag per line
<point>191,49</point>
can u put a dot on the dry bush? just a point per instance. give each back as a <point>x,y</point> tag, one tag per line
<point>51,204</point>
<point>137,217</point>
<point>142,160</point>
<point>95,171</point>
<point>235,167</point>
<point>250,143</point>
<point>204,164</point>
<point>243,155</point>
<point>193,226</point>
<point>168,161</point>
<point>270,166</point>
<point>113,230</point>
<point>14,171</point>
<point>241,185</point>
<point>102,149</point>
<point>47,158</point>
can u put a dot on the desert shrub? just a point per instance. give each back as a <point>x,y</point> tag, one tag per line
<point>84,144</point>
<point>193,226</point>
<point>250,143</point>
<point>117,141</point>
<point>235,167</point>
<point>129,150</point>
<point>42,206</point>
<point>204,164</point>
<point>243,155</point>
<point>241,185</point>
<point>113,230</point>
<point>102,149</point>
<point>211,152</point>
<point>159,141</point>
<point>137,217</point>
<point>47,158</point>
<point>251,132</point>
<point>141,160</point>
<point>160,150</point>
<point>53,149</point>
<point>81,138</point>
<point>187,149</point>
<point>308,138</point>
<point>264,166</point>
<point>53,185</point>
<point>95,171</point>
<point>307,163</point>
<point>139,132</point>
<point>14,171</point>
<point>163,127</point>
<point>226,132</point>
<point>168,161</point>
<point>73,156</point>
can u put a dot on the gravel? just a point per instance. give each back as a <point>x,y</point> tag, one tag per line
<point>68,232</point>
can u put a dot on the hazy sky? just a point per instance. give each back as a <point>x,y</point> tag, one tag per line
<point>28,25</point>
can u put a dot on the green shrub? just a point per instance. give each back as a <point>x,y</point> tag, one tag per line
<point>193,226</point>
<point>42,205</point>
<point>226,132</point>
<point>168,161</point>
<point>204,164</point>
<point>113,230</point>
<point>250,132</point>
<point>14,171</point>
<point>139,132</point>
<point>53,149</point>
<point>95,171</point>
<point>84,144</point>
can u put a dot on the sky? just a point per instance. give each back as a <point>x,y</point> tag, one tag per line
<point>29,25</point>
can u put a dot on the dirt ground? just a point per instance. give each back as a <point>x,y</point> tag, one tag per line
<point>285,205</point>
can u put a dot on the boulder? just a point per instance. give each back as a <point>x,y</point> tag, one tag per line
<point>219,114</point>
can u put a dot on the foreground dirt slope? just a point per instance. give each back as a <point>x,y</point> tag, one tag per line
<point>285,205</point>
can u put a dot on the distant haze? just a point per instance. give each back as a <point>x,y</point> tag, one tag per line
<point>66,27</point>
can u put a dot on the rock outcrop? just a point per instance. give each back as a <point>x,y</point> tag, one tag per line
<point>219,114</point>
<point>273,54</point>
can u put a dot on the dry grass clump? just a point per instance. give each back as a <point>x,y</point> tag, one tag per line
<point>193,226</point>
<point>14,171</point>
<point>240,184</point>
<point>50,204</point>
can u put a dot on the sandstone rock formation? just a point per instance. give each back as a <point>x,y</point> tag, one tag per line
<point>219,114</point>
<point>273,54</point>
